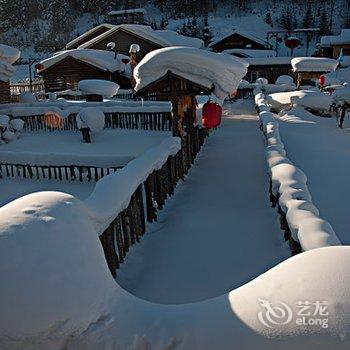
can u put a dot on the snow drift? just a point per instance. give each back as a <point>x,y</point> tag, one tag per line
<point>314,64</point>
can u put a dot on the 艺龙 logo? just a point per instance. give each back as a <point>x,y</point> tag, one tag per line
<point>274,315</point>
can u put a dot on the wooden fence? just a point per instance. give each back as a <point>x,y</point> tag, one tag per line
<point>54,172</point>
<point>126,120</point>
<point>129,226</point>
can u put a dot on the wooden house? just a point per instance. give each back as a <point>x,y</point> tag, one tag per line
<point>268,67</point>
<point>5,93</point>
<point>333,45</point>
<point>89,35</point>
<point>148,39</point>
<point>65,70</point>
<point>135,16</point>
<point>238,39</point>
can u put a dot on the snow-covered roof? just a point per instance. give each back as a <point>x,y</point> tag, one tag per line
<point>163,38</point>
<point>101,59</point>
<point>251,53</point>
<point>121,12</point>
<point>263,61</point>
<point>241,32</point>
<point>202,67</point>
<point>342,38</point>
<point>8,56</point>
<point>89,32</point>
<point>314,64</point>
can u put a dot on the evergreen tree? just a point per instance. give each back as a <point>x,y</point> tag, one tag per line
<point>324,22</point>
<point>268,18</point>
<point>206,35</point>
<point>308,20</point>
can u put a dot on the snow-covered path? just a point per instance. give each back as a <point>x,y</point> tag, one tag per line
<point>218,231</point>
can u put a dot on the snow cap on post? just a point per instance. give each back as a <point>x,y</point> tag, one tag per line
<point>92,118</point>
<point>201,67</point>
<point>314,64</point>
<point>103,88</point>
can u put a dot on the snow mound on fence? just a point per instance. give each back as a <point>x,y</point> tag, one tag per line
<point>104,88</point>
<point>285,80</point>
<point>342,95</point>
<point>92,118</point>
<point>314,64</point>
<point>112,193</point>
<point>202,67</point>
<point>289,185</point>
<point>53,273</point>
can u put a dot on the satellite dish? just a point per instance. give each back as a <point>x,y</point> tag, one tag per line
<point>134,48</point>
<point>111,46</point>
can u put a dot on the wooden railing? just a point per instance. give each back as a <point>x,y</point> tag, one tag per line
<point>126,120</point>
<point>18,88</point>
<point>129,226</point>
<point>55,172</point>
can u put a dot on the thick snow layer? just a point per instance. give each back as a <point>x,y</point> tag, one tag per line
<point>163,38</point>
<point>202,67</point>
<point>27,97</point>
<point>109,147</point>
<point>285,79</point>
<point>9,54</point>
<point>343,75</point>
<point>92,118</point>
<point>6,71</point>
<point>289,184</point>
<point>101,59</point>
<point>318,147</point>
<point>52,269</point>
<point>210,200</point>
<point>13,188</point>
<point>342,95</point>
<point>64,108</point>
<point>104,88</point>
<point>314,64</point>
<point>250,53</point>
<point>312,99</point>
<point>112,193</point>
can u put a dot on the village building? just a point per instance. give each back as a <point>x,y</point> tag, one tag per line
<point>64,70</point>
<point>268,67</point>
<point>89,35</point>
<point>238,39</point>
<point>332,46</point>
<point>148,39</point>
<point>136,16</point>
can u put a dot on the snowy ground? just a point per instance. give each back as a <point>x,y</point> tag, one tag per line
<point>218,231</point>
<point>318,147</point>
<point>108,142</point>
<point>12,189</point>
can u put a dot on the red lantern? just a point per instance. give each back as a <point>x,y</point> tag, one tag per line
<point>292,42</point>
<point>211,117</point>
<point>125,60</point>
<point>322,80</point>
<point>39,67</point>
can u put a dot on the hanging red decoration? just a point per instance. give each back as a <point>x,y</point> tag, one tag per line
<point>125,60</point>
<point>39,67</point>
<point>292,42</point>
<point>322,80</point>
<point>211,116</point>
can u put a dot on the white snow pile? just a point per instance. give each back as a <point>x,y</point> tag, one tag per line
<point>92,118</point>
<point>342,95</point>
<point>104,88</point>
<point>289,185</point>
<point>102,59</point>
<point>202,67</point>
<point>10,130</point>
<point>314,64</point>
<point>8,56</point>
<point>57,292</point>
<point>112,193</point>
<point>284,80</point>
<point>315,100</point>
<point>27,97</point>
<point>52,270</point>
<point>261,81</point>
<point>244,84</point>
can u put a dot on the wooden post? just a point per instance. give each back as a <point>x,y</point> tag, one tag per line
<point>86,135</point>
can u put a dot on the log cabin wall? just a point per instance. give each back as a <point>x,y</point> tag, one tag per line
<point>67,73</point>
<point>5,93</point>
<point>270,72</point>
<point>123,40</point>
<point>236,41</point>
